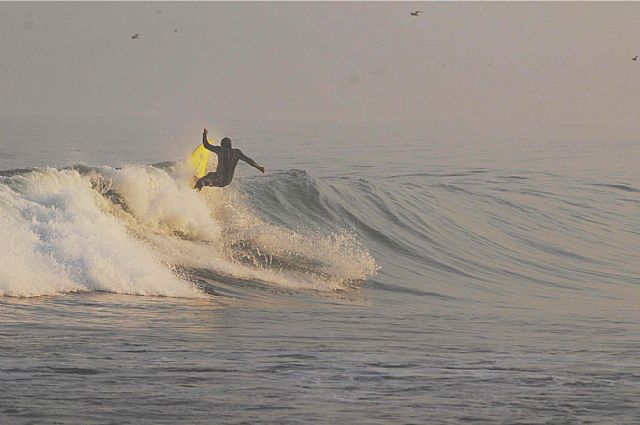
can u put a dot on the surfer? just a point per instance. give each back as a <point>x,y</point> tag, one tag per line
<point>227,160</point>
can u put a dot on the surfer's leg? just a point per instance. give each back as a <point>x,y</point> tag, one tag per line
<point>199,184</point>
<point>211,179</point>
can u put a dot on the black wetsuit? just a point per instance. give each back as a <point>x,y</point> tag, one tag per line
<point>227,160</point>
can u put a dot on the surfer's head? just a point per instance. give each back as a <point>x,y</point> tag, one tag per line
<point>226,143</point>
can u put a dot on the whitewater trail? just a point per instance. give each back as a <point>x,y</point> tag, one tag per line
<point>143,230</point>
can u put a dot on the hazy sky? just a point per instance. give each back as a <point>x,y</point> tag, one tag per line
<point>489,63</point>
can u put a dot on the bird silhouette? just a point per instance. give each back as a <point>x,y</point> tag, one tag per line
<point>416,13</point>
<point>635,58</point>
<point>136,35</point>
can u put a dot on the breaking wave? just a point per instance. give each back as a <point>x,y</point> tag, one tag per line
<point>480,234</point>
<point>143,230</point>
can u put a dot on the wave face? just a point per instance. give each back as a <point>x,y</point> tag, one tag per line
<point>486,235</point>
<point>143,230</point>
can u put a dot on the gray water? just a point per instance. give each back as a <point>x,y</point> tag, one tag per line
<point>378,273</point>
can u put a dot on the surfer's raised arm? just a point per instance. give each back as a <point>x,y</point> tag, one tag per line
<point>208,145</point>
<point>249,161</point>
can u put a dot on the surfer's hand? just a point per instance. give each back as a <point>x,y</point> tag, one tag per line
<point>205,132</point>
<point>261,169</point>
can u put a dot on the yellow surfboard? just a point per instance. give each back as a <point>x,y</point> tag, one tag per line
<point>200,160</point>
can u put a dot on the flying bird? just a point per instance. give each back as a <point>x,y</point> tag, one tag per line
<point>175,30</point>
<point>136,35</point>
<point>635,58</point>
<point>416,13</point>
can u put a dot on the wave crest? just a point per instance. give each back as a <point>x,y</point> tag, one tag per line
<point>128,230</point>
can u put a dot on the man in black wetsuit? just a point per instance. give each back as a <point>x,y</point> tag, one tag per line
<point>227,160</point>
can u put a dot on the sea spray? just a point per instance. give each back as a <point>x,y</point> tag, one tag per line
<point>127,231</point>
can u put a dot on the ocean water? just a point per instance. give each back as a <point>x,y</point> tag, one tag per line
<point>377,273</point>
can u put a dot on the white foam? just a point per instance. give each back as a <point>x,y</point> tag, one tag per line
<point>63,235</point>
<point>27,267</point>
<point>163,203</point>
<point>65,242</point>
<point>337,258</point>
